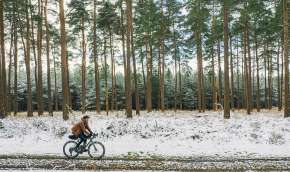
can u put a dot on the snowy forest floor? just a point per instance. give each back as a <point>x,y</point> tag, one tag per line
<point>182,134</point>
<point>185,135</point>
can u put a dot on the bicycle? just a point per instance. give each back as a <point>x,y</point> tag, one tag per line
<point>95,149</point>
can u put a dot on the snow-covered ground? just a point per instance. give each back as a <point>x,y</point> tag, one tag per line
<point>185,133</point>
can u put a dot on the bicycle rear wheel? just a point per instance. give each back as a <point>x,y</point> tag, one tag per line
<point>96,150</point>
<point>70,149</point>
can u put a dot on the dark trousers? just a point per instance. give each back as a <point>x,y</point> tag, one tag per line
<point>83,138</point>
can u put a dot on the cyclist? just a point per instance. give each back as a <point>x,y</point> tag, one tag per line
<point>82,130</point>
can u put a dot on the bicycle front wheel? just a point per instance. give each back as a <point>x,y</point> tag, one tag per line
<point>96,150</point>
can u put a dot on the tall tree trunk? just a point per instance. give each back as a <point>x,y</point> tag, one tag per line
<point>50,109</point>
<point>238,75</point>
<point>137,98</point>
<point>27,64</point>
<point>232,76</point>
<point>200,73</point>
<point>143,73</point>
<point>278,78</point>
<point>159,75</point>
<point>246,74</point>
<point>128,60</point>
<point>282,73</point>
<point>84,71</point>
<point>39,61</point>
<point>258,74</point>
<point>96,60</point>
<point>55,84</point>
<point>33,45</point>
<point>3,94</point>
<point>226,63</point>
<point>15,102</point>
<point>64,64</point>
<point>249,67</point>
<point>265,76</point>
<point>220,85</point>
<point>286,60</point>
<point>112,72</point>
<point>162,77</point>
<point>180,85</point>
<point>106,76</point>
<point>123,49</point>
<point>175,67</point>
<point>9,102</point>
<point>149,74</point>
<point>214,83</point>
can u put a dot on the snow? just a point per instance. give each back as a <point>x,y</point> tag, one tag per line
<point>184,133</point>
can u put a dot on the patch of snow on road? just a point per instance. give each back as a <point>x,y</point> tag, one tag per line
<point>183,133</point>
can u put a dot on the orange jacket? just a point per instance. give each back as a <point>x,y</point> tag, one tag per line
<point>79,127</point>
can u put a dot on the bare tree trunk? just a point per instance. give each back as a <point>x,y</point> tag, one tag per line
<point>246,74</point>
<point>123,48</point>
<point>232,77</point>
<point>149,75</point>
<point>214,83</point>
<point>175,68</point>
<point>258,75</point>
<point>64,64</point>
<point>238,76</point>
<point>269,65</point>
<point>55,85</point>
<point>84,71</point>
<point>33,46</point>
<point>278,77</point>
<point>50,109</point>
<point>162,78</point>
<point>137,99</point>
<point>249,67</point>
<point>27,64</point>
<point>3,94</point>
<point>180,85</point>
<point>282,74</point>
<point>15,103</point>
<point>219,90</point>
<point>200,86</point>
<point>39,61</point>
<point>106,76</point>
<point>112,73</point>
<point>226,64</point>
<point>286,60</point>
<point>96,60</point>
<point>128,60</point>
<point>9,105</point>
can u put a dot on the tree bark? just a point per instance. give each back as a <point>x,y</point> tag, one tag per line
<point>249,67</point>
<point>96,60</point>
<point>128,60</point>
<point>286,60</point>
<point>232,77</point>
<point>257,75</point>
<point>64,64</point>
<point>15,102</point>
<point>55,84</point>
<point>39,61</point>
<point>27,64</point>
<point>50,109</point>
<point>84,71</point>
<point>226,63</point>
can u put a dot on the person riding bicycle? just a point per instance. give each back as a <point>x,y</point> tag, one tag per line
<point>82,130</point>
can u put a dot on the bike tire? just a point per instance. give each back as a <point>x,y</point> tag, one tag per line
<point>93,146</point>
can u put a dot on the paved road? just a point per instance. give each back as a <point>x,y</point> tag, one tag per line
<point>111,163</point>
